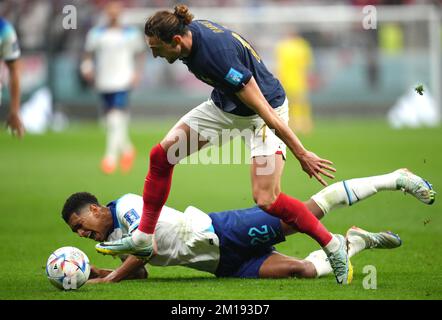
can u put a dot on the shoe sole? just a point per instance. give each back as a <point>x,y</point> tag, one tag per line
<point>350,272</point>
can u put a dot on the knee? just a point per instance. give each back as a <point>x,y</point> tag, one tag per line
<point>156,153</point>
<point>158,156</point>
<point>264,198</point>
<point>302,269</point>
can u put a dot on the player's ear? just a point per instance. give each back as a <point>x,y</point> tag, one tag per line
<point>176,40</point>
<point>94,209</point>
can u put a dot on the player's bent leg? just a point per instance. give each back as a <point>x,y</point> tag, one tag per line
<point>266,172</point>
<point>278,265</point>
<point>295,213</point>
<point>163,157</point>
<point>349,192</point>
<point>267,195</point>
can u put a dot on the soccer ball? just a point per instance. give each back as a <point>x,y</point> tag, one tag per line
<point>68,268</point>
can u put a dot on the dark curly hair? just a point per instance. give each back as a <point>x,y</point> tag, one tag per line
<point>76,202</point>
<point>166,24</point>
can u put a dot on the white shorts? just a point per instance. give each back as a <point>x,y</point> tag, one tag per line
<point>214,124</point>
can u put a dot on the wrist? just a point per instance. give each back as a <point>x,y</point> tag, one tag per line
<point>13,112</point>
<point>299,153</point>
<point>111,277</point>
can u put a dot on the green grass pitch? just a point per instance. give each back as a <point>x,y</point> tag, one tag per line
<point>39,172</point>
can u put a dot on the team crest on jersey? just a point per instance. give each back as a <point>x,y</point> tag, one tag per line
<point>131,216</point>
<point>234,76</point>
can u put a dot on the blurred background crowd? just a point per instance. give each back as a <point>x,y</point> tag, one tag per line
<point>328,62</point>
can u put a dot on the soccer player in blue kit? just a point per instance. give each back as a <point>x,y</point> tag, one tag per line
<point>245,96</point>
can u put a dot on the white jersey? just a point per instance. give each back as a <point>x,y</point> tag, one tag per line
<point>115,50</point>
<point>182,238</point>
<point>9,48</point>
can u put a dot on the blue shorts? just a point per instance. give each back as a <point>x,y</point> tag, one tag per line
<point>246,239</point>
<point>118,100</point>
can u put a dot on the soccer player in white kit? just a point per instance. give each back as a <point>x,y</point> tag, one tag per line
<point>114,62</point>
<point>234,243</point>
<point>10,54</point>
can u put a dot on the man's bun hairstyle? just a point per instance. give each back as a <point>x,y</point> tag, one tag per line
<point>166,24</point>
<point>182,12</point>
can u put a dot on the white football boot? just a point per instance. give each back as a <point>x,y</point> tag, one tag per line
<point>420,188</point>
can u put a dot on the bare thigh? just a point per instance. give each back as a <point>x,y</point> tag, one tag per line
<point>266,172</point>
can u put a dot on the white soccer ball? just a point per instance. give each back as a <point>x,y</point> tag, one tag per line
<point>68,268</point>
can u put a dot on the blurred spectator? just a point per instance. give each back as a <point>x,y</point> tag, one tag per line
<point>10,54</point>
<point>32,24</point>
<point>114,62</point>
<point>294,59</point>
<point>369,37</point>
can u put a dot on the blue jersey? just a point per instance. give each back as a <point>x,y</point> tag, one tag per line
<point>225,61</point>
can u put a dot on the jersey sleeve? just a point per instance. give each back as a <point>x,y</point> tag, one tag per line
<point>131,219</point>
<point>129,212</point>
<point>138,41</point>
<point>10,49</point>
<point>228,71</point>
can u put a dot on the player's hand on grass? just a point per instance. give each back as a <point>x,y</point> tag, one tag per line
<point>99,273</point>
<point>13,122</point>
<point>98,280</point>
<point>315,166</point>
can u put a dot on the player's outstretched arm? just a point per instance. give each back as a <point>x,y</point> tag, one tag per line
<point>132,268</point>
<point>98,273</point>
<point>313,165</point>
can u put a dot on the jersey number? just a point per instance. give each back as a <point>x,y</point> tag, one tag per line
<point>246,45</point>
<point>261,235</point>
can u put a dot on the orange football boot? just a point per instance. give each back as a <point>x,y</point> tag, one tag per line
<point>127,160</point>
<point>108,166</point>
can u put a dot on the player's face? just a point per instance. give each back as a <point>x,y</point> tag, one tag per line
<point>89,223</point>
<point>169,51</point>
<point>113,10</point>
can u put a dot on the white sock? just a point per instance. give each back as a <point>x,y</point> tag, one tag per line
<point>126,144</point>
<point>349,192</point>
<point>333,245</point>
<point>113,134</point>
<point>320,261</point>
<point>141,238</point>
<point>356,245</point>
